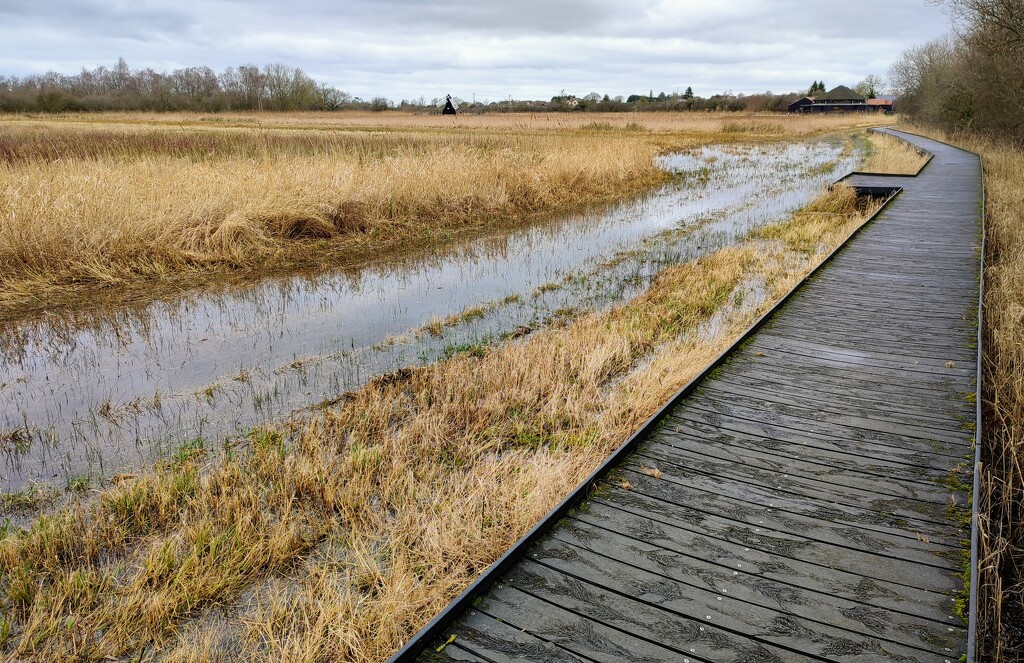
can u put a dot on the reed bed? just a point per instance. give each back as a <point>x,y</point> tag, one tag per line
<point>129,203</point>
<point>338,537</point>
<point>1001,507</point>
<point>892,156</point>
<point>686,122</point>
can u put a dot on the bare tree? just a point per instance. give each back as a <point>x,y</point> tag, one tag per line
<point>331,98</point>
<point>871,86</point>
<point>253,84</point>
<point>997,24</point>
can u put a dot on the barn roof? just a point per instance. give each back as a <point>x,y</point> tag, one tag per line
<point>879,102</point>
<point>841,93</point>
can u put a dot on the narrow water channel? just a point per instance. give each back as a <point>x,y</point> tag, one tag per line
<point>84,398</point>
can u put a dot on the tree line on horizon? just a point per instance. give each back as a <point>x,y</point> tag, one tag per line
<point>272,87</point>
<point>279,87</point>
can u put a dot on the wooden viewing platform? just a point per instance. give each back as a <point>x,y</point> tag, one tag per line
<point>802,511</point>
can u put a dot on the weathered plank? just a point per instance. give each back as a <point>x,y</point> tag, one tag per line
<point>881,459</point>
<point>823,464</point>
<point>775,613</point>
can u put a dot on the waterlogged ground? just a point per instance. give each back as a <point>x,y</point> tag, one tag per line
<point>82,399</point>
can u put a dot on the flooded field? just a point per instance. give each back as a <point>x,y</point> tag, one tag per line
<point>87,397</point>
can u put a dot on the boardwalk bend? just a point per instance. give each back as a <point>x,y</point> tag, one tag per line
<point>802,511</point>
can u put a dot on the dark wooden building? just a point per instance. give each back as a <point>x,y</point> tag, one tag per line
<point>840,95</point>
<point>450,107</point>
<point>841,100</point>
<point>800,104</point>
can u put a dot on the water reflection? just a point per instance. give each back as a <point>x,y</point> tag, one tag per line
<point>94,396</point>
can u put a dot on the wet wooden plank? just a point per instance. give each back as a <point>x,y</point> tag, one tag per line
<point>909,342</point>
<point>812,388</point>
<point>875,410</point>
<point>704,591</point>
<point>675,550</point>
<point>939,382</point>
<point>823,464</point>
<point>898,464</point>
<point>824,596</point>
<point>453,652</point>
<point>906,365</point>
<point>914,397</point>
<point>689,467</point>
<point>763,515</point>
<point>494,640</point>
<point>758,434</point>
<point>711,636</point>
<point>794,410</point>
<point>768,340</point>
<point>891,309</point>
<point>604,632</point>
<point>716,414</point>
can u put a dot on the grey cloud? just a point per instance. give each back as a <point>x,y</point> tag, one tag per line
<point>93,18</point>
<point>525,48</point>
<point>455,16</point>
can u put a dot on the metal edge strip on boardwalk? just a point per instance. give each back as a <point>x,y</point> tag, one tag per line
<point>439,623</point>
<point>972,610</point>
<point>972,607</point>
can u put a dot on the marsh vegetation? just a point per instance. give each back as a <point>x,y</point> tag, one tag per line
<point>892,156</point>
<point>337,533</point>
<point>107,394</point>
<point>340,537</point>
<point>129,204</point>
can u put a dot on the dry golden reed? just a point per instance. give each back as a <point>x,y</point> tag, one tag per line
<point>892,156</point>
<point>137,201</point>
<point>339,538</point>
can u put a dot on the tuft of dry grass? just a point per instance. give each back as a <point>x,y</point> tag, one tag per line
<point>1001,507</point>
<point>340,537</point>
<point>133,200</point>
<point>893,156</point>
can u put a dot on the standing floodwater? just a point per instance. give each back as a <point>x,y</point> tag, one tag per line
<point>95,396</point>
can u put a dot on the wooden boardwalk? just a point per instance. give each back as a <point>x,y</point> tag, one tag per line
<point>799,511</point>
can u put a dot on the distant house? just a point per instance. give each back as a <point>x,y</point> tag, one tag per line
<point>841,95</point>
<point>841,100</point>
<point>799,105</point>
<point>450,107</point>
<point>880,105</point>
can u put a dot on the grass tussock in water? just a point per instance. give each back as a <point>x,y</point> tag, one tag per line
<point>132,200</point>
<point>1001,507</point>
<point>338,539</point>
<point>893,156</point>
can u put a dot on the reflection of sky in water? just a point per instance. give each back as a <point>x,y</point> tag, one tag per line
<point>87,391</point>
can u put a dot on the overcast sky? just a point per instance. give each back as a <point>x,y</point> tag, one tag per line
<point>526,49</point>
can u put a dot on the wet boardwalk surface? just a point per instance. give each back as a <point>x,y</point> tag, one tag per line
<point>793,507</point>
